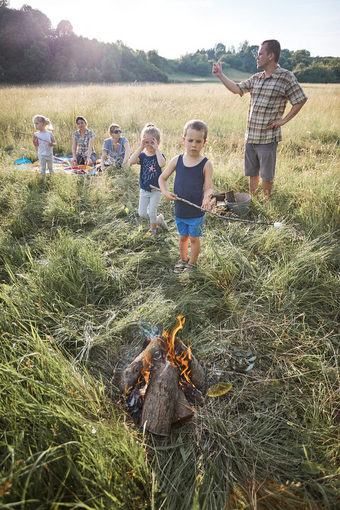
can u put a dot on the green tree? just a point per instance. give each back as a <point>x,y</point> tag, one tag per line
<point>219,50</point>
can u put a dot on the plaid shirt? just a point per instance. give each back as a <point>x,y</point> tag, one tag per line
<point>268,101</point>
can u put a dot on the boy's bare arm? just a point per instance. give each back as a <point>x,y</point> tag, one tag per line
<point>165,176</point>
<point>229,84</point>
<point>207,187</point>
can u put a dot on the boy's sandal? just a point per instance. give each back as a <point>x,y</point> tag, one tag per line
<point>179,267</point>
<point>189,268</point>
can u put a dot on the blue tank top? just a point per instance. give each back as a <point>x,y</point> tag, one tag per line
<point>189,183</point>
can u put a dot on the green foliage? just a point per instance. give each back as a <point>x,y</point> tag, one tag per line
<point>82,286</point>
<point>44,54</point>
<point>318,72</point>
<point>62,443</point>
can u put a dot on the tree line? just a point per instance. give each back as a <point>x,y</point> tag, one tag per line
<point>32,51</point>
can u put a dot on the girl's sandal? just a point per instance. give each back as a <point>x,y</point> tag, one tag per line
<point>189,268</point>
<point>179,267</point>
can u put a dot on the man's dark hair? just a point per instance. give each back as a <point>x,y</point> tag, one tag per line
<point>273,46</point>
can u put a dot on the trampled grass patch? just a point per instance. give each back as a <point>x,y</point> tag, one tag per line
<point>82,286</point>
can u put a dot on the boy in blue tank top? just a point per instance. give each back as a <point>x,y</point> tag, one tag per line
<point>193,182</point>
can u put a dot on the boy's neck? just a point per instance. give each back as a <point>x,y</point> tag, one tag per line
<point>192,159</point>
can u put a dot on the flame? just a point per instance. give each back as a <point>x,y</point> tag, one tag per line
<point>180,360</point>
<point>145,372</point>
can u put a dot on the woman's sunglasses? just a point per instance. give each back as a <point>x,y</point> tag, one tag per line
<point>116,131</point>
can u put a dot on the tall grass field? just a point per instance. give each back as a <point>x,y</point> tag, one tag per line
<point>82,286</point>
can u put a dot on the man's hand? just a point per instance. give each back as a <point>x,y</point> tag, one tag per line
<point>217,69</point>
<point>274,124</point>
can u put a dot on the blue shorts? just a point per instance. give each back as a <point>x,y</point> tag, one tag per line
<point>191,226</point>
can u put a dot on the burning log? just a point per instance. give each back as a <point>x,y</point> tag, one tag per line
<point>160,399</point>
<point>162,381</point>
<point>133,371</point>
<point>195,369</point>
<point>183,411</point>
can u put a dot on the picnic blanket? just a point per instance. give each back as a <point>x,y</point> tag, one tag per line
<point>60,164</point>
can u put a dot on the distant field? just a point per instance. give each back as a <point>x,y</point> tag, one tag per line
<point>233,74</point>
<point>82,286</point>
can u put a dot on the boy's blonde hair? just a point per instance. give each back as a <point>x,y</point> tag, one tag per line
<point>196,124</point>
<point>43,119</point>
<point>151,130</point>
<point>113,127</point>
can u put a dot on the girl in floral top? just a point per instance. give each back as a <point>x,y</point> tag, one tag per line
<point>82,147</point>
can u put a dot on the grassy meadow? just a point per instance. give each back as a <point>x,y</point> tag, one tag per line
<point>82,286</point>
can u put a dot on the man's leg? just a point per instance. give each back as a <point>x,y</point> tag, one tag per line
<point>267,189</point>
<point>267,156</point>
<point>253,184</point>
<point>251,167</point>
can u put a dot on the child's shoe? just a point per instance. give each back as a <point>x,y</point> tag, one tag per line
<point>189,268</point>
<point>161,222</point>
<point>179,267</point>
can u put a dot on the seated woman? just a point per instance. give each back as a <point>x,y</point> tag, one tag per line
<point>82,147</point>
<point>116,148</point>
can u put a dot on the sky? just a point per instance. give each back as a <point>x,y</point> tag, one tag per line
<point>177,27</point>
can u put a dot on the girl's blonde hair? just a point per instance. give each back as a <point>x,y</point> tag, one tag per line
<point>151,130</point>
<point>113,127</point>
<point>43,119</point>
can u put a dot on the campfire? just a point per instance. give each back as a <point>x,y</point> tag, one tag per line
<point>162,384</point>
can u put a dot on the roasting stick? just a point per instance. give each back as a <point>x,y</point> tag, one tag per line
<point>276,224</point>
<point>27,134</point>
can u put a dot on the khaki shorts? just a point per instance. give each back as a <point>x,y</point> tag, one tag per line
<point>260,158</point>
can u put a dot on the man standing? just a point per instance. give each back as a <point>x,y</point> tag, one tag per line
<point>269,93</point>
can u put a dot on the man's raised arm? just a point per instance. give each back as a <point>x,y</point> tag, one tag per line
<point>229,84</point>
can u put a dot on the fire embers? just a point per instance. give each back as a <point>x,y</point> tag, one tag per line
<point>163,383</point>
